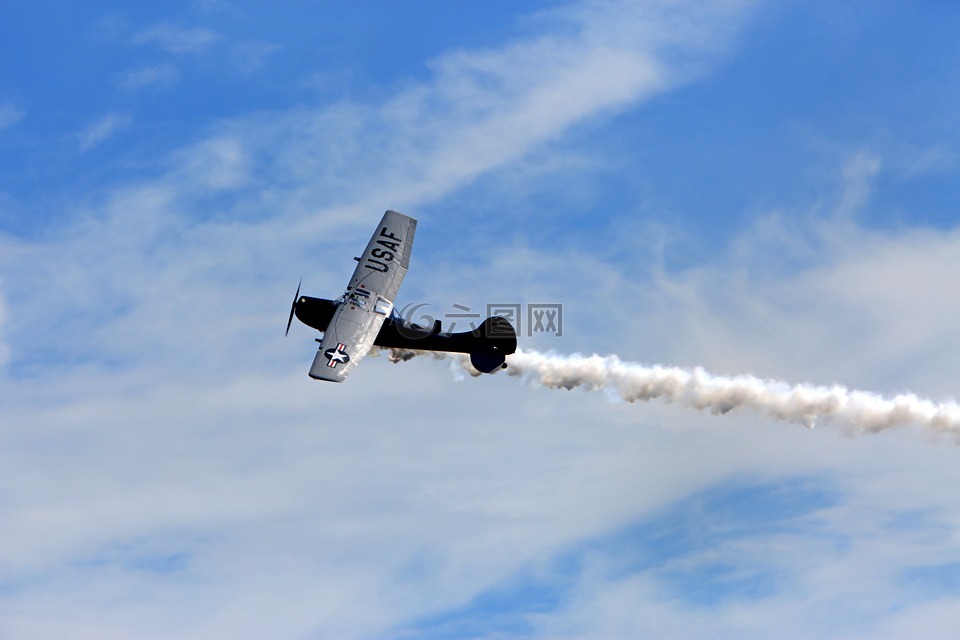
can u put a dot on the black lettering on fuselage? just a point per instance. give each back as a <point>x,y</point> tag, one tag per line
<point>389,245</point>
<point>380,253</point>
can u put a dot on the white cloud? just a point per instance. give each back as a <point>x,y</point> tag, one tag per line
<point>103,129</point>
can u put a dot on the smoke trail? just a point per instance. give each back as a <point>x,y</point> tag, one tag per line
<point>402,355</point>
<point>698,389</point>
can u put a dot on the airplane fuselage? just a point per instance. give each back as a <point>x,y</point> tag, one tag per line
<point>495,334</point>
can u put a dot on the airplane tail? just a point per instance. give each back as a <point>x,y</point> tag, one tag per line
<point>497,340</point>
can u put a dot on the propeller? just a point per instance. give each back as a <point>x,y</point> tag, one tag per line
<point>293,307</point>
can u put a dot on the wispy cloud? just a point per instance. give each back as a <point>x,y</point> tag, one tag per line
<point>161,76</point>
<point>924,161</point>
<point>218,163</point>
<point>103,129</point>
<point>176,39</point>
<point>216,6</point>
<point>483,109</point>
<point>10,114</point>
<point>249,57</point>
<point>4,347</point>
<point>859,175</point>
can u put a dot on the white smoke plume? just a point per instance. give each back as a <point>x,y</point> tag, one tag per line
<point>695,388</point>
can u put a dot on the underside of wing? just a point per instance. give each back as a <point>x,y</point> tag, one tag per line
<point>360,313</point>
<point>347,340</point>
<point>385,261</point>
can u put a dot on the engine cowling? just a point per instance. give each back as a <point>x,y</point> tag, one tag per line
<point>498,339</point>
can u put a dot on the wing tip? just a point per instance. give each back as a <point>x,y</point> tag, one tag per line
<point>325,379</point>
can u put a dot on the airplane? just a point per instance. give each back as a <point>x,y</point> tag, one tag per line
<point>365,315</point>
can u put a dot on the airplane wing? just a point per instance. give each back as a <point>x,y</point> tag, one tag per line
<point>368,299</point>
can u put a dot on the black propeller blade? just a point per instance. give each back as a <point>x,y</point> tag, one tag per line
<point>293,307</point>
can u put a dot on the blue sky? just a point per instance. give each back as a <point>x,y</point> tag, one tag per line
<point>751,187</point>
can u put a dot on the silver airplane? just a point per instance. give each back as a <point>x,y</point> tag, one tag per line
<point>364,315</point>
